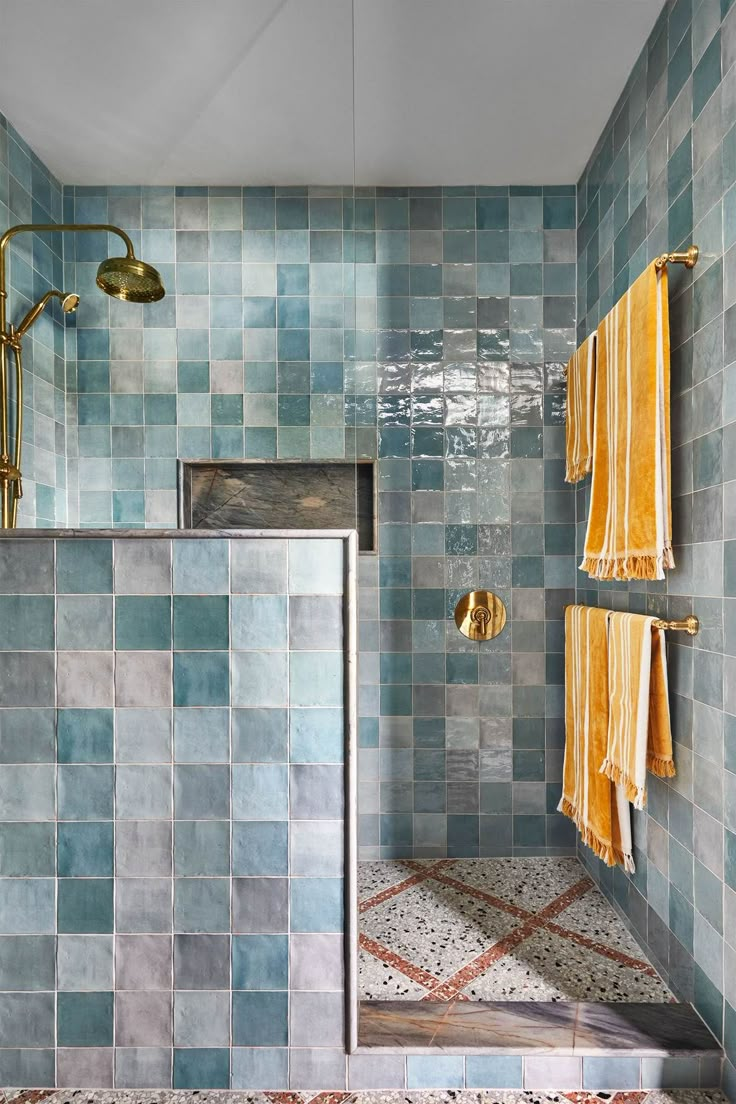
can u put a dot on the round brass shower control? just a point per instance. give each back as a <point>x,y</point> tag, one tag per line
<point>480,615</point>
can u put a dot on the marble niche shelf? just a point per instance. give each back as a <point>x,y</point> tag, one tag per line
<point>279,494</point>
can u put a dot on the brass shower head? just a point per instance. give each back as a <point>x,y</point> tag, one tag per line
<point>130,279</point>
<point>70,302</point>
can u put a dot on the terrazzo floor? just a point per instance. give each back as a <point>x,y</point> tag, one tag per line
<point>495,930</point>
<point>465,1096</point>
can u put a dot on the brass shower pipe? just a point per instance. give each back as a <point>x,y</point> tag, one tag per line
<point>122,277</point>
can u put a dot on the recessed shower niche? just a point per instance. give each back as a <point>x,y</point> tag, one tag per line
<point>280,494</point>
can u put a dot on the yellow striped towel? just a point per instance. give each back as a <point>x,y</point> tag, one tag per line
<point>630,523</point>
<point>579,416</point>
<point>639,733</point>
<point>598,807</point>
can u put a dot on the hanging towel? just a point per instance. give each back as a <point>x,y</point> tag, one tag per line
<point>630,522</point>
<point>579,416</point>
<point>639,734</point>
<point>598,807</point>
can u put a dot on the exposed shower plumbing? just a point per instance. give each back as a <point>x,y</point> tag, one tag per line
<point>122,277</point>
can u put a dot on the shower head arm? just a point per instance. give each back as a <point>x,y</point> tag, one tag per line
<point>51,228</point>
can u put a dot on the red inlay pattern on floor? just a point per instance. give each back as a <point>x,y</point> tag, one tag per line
<point>452,988</point>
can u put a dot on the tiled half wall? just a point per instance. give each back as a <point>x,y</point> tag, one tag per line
<point>171,812</point>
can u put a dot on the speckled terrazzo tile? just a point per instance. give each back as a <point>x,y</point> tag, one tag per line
<point>547,967</point>
<point>437,928</point>
<point>381,981</point>
<point>593,917</point>
<point>375,876</point>
<point>530,883</point>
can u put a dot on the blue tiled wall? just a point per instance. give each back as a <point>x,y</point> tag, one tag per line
<point>29,193</point>
<point>422,327</point>
<point>171,813</point>
<point>662,175</point>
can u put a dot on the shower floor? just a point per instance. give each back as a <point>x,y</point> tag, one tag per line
<point>526,929</point>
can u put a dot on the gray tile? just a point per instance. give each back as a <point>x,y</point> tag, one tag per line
<point>316,1019</point>
<point>143,849</point>
<point>141,1067</point>
<point>142,567</point>
<point>85,679</point>
<point>316,791</point>
<point>143,962</point>
<point>260,904</point>
<point>315,622</point>
<point>84,1067</point>
<point>27,679</point>
<point>142,1019</point>
<point>143,679</point>
<point>316,962</point>
<point>26,566</point>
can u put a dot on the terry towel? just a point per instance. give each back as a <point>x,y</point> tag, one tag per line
<point>598,807</point>
<point>630,522</point>
<point>579,416</point>
<point>639,733</point>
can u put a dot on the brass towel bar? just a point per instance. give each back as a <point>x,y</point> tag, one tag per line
<point>689,624</point>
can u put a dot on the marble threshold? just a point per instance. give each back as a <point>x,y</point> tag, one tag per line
<point>565,1028</point>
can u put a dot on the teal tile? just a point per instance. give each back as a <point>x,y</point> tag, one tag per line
<point>260,1018</point>
<point>85,792</point>
<point>316,904</point>
<point>260,848</point>
<point>260,962</point>
<point>27,736</point>
<point>260,791</point>
<point>83,566</point>
<point>84,622</point>
<point>85,905</point>
<point>143,623</point>
<point>201,678</point>
<point>260,679</point>
<point>202,735</point>
<point>27,850</point>
<point>259,621</point>
<point>201,623</point>
<point>317,735</point>
<point>201,848</point>
<point>26,622</point>
<point>201,905</point>
<point>201,567</point>
<point>84,1019</point>
<point>316,679</point>
<point>85,735</point>
<point>434,1071</point>
<point>260,735</point>
<point>85,850</point>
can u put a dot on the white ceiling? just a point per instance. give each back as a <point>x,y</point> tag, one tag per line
<point>261,91</point>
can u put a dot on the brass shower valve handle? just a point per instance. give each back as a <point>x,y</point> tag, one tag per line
<point>480,615</point>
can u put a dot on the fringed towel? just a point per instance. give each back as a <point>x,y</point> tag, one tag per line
<point>639,734</point>
<point>598,808</point>
<point>630,523</point>
<point>579,416</point>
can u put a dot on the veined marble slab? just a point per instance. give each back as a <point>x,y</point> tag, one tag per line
<point>280,495</point>
<point>576,1028</point>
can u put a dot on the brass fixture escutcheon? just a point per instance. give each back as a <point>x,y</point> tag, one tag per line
<point>480,615</point>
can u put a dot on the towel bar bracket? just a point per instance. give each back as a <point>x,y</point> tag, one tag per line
<point>688,257</point>
<point>690,625</point>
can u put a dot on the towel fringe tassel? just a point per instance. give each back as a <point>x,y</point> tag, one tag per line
<point>602,849</point>
<point>662,767</point>
<point>578,469</point>
<point>628,567</point>
<point>637,795</point>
